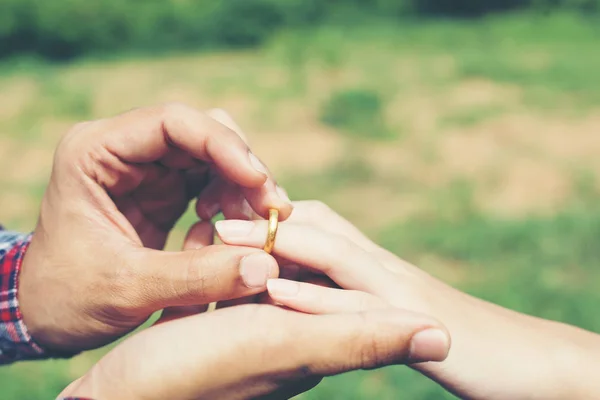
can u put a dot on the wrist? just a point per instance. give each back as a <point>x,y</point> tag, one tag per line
<point>35,317</point>
<point>498,353</point>
<point>572,356</point>
<point>16,342</point>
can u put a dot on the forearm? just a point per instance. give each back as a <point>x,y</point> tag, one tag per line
<point>501,354</point>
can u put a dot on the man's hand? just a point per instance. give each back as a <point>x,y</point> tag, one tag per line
<point>94,271</point>
<point>256,351</point>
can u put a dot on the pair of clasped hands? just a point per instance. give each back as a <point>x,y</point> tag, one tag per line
<point>95,270</point>
<point>326,301</point>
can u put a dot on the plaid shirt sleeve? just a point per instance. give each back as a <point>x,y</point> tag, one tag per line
<point>15,341</point>
<point>75,398</point>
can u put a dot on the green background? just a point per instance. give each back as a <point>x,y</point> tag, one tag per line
<point>461,135</point>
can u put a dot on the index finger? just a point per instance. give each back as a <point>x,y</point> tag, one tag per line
<point>148,134</point>
<point>347,264</point>
<point>260,199</point>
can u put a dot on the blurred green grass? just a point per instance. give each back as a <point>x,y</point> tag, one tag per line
<point>538,261</point>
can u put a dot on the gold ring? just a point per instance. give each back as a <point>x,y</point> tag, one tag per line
<point>272,232</point>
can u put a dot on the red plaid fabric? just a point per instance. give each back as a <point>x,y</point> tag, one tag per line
<point>15,341</point>
<point>75,398</point>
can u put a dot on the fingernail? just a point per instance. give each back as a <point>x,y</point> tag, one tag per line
<point>429,345</point>
<point>283,194</point>
<point>257,164</point>
<point>255,269</point>
<point>234,228</point>
<point>283,288</point>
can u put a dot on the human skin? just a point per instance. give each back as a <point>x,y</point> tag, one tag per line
<point>496,353</point>
<point>254,351</point>
<point>95,268</point>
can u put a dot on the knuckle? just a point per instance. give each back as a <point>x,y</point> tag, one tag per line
<point>174,113</point>
<point>371,351</point>
<point>262,323</point>
<point>258,316</point>
<point>317,209</point>
<point>122,286</point>
<point>338,251</point>
<point>345,246</point>
<point>79,126</point>
<point>196,279</point>
<point>78,148</point>
<point>218,113</point>
<point>363,301</point>
<point>174,109</point>
<point>271,322</point>
<point>274,330</point>
<point>68,141</point>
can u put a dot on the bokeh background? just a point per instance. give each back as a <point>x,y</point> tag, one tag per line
<point>462,134</point>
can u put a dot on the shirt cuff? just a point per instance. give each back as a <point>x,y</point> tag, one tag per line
<point>15,341</point>
<point>74,398</point>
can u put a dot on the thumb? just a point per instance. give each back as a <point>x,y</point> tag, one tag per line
<point>254,350</point>
<point>331,344</point>
<point>201,234</point>
<point>302,347</point>
<point>191,277</point>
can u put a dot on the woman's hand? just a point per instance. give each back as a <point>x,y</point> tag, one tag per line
<point>325,245</point>
<point>496,353</point>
